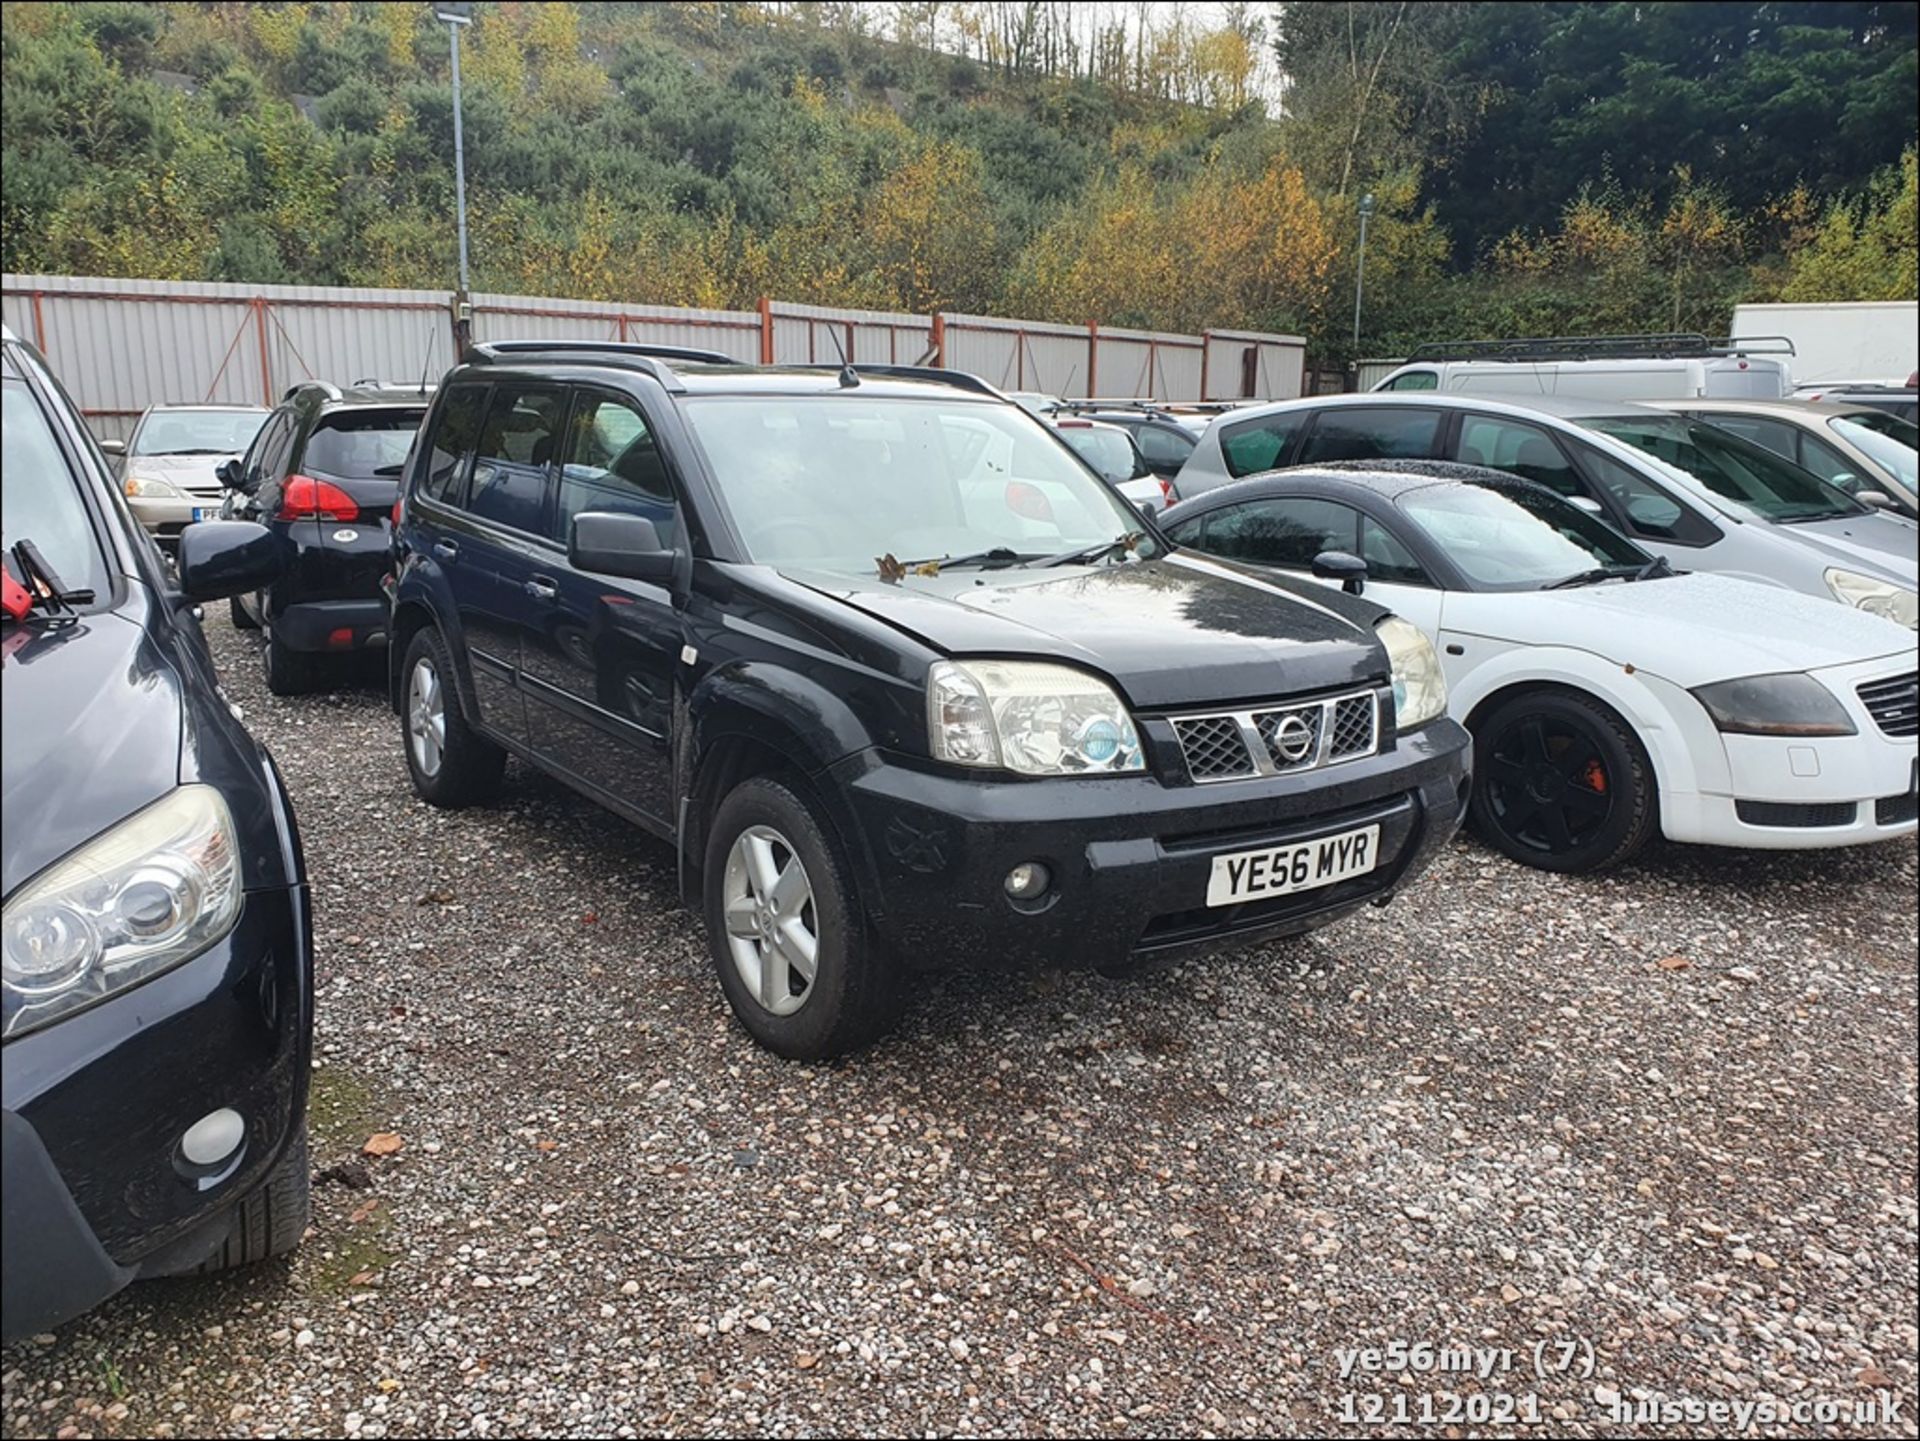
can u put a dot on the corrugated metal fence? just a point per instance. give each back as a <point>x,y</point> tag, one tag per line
<point>122,345</point>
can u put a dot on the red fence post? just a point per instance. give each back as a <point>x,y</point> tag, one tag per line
<point>766,331</point>
<point>259,304</point>
<point>1093,358</point>
<point>940,340</point>
<point>39,324</point>
<point>851,357</point>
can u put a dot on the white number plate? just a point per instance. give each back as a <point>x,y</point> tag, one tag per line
<point>199,513</point>
<point>1257,875</point>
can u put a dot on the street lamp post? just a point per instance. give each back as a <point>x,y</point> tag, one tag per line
<point>1360,273</point>
<point>455,16</point>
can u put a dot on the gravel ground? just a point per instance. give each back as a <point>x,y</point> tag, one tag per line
<point>1666,1116</point>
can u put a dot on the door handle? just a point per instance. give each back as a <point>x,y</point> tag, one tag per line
<point>446,550</point>
<point>540,588</point>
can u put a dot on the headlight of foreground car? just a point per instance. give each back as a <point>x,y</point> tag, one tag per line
<point>1775,705</point>
<point>1876,597</point>
<point>156,890</point>
<point>1419,685</point>
<point>151,487</point>
<point>1030,717</point>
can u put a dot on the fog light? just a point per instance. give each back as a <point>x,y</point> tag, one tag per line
<point>213,1138</point>
<point>1027,880</point>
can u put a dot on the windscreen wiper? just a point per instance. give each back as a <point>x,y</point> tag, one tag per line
<point>1122,543</point>
<point>999,556</point>
<point>1655,569</point>
<point>1595,576</point>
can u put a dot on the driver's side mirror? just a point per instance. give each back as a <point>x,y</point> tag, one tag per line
<point>221,558</point>
<point>1343,566</point>
<point>229,474</point>
<point>609,543</point>
<point>1877,498</point>
<point>1591,506</point>
<point>114,448</point>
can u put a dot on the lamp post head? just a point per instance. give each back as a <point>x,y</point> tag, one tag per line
<point>1366,204</point>
<point>453,12</point>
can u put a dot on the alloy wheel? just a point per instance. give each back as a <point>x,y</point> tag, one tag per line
<point>1547,784</point>
<point>773,928</point>
<point>426,717</point>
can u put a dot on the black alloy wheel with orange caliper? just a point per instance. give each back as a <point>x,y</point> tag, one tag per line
<point>1561,782</point>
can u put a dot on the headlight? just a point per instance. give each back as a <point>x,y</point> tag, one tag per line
<point>156,890</point>
<point>1876,597</point>
<point>152,487</point>
<point>1419,685</point>
<point>1775,705</point>
<point>1031,717</point>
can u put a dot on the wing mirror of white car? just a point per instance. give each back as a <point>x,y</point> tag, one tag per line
<point>1877,498</point>
<point>115,448</point>
<point>1591,506</point>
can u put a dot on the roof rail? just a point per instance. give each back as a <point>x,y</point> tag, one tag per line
<point>1146,407</point>
<point>959,379</point>
<point>332,390</point>
<point>1672,346</point>
<point>502,349</point>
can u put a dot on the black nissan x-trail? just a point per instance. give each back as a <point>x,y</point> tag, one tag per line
<point>903,682</point>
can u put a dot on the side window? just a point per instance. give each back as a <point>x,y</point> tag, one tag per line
<point>1651,512</point>
<point>1188,532</point>
<point>1387,559</point>
<point>1776,436</point>
<point>1523,450</point>
<point>1360,434</point>
<point>1261,444</point>
<point>1162,447</point>
<point>1415,380</point>
<point>456,434</point>
<point>268,458</point>
<point>1283,533</point>
<point>517,449</point>
<point>612,463</point>
<point>1827,463</point>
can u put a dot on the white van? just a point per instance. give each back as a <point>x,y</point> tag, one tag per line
<point>1610,367</point>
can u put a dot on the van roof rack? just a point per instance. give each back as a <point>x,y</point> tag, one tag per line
<point>1678,345</point>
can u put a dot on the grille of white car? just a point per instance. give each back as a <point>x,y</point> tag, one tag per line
<point>1279,739</point>
<point>1894,704</point>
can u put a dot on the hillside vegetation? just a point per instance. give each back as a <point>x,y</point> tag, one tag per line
<point>1537,167</point>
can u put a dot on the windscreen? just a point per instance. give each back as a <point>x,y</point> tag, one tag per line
<point>362,445</point>
<point>1730,467</point>
<point>833,482</point>
<point>40,497</point>
<point>1516,536</point>
<point>198,432</point>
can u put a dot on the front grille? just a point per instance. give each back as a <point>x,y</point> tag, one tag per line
<point>1213,747</point>
<point>1797,815</point>
<point>1279,740</point>
<point>1894,704</point>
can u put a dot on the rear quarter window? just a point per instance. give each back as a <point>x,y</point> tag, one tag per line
<point>1262,444</point>
<point>361,444</point>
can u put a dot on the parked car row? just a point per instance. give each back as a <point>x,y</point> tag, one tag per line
<point>905,675</point>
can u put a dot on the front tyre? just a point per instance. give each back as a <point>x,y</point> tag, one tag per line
<point>1562,783</point>
<point>786,929</point>
<point>450,764</point>
<point>270,1220</point>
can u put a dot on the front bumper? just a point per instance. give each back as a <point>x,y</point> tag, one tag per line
<point>95,1192</point>
<point>165,517</point>
<point>1130,856</point>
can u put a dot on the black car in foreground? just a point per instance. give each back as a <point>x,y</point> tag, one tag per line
<point>904,683</point>
<point>323,474</point>
<point>156,997</point>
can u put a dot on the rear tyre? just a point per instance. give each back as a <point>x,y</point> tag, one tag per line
<point>288,671</point>
<point>270,1220</point>
<point>450,764</point>
<point>242,617</point>
<point>1562,783</point>
<point>787,932</point>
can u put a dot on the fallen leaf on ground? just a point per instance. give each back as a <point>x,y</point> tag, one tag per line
<point>383,1143</point>
<point>1673,963</point>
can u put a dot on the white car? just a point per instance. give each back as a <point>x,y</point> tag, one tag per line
<point>1110,450</point>
<point>1608,697</point>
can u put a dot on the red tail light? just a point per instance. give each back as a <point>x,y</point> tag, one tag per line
<point>1024,499</point>
<point>1166,492</point>
<point>394,519</point>
<point>304,498</point>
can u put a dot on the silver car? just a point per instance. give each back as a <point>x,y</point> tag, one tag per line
<point>167,466</point>
<point>1705,499</point>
